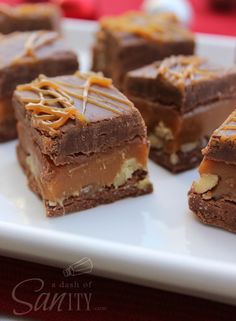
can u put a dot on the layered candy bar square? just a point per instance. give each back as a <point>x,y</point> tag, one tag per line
<point>81,142</point>
<point>135,39</point>
<point>29,17</point>
<point>213,197</point>
<point>182,100</point>
<point>23,56</point>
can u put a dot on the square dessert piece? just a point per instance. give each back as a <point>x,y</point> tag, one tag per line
<point>182,100</point>
<point>135,39</point>
<point>29,17</point>
<point>23,56</point>
<point>213,197</point>
<point>81,142</point>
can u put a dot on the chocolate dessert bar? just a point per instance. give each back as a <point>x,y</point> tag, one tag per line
<point>213,197</point>
<point>182,100</point>
<point>29,17</point>
<point>135,39</point>
<point>23,56</point>
<point>81,142</point>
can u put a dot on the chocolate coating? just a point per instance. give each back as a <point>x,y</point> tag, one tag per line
<point>222,146</point>
<point>121,47</point>
<point>84,201</point>
<point>219,213</point>
<point>27,17</point>
<point>103,129</point>
<point>182,81</point>
<point>213,198</point>
<point>44,54</point>
<point>81,142</point>
<point>187,127</point>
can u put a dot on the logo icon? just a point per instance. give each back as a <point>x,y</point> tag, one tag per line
<point>83,266</point>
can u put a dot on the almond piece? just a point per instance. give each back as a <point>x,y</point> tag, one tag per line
<point>206,183</point>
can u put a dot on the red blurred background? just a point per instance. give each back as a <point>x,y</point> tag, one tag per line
<point>210,16</point>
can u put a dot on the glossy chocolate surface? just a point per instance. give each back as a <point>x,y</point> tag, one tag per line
<point>27,47</point>
<point>222,146</point>
<point>128,42</point>
<point>152,27</point>
<point>182,81</point>
<point>23,56</point>
<point>27,17</point>
<point>101,116</point>
<point>84,98</point>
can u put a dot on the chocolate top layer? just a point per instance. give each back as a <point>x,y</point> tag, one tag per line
<point>183,71</point>
<point>25,10</point>
<point>222,145</point>
<point>26,17</point>
<point>227,131</point>
<point>23,55</point>
<point>75,114</point>
<point>154,27</point>
<point>86,98</point>
<point>183,81</point>
<point>25,47</point>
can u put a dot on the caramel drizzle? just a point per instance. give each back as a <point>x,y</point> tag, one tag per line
<point>153,27</point>
<point>96,91</point>
<point>115,100</point>
<point>35,41</point>
<point>55,104</point>
<point>192,67</point>
<point>227,126</point>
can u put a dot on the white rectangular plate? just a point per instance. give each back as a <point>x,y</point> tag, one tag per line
<point>152,240</point>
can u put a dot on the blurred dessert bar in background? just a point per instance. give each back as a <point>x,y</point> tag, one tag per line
<point>81,142</point>
<point>213,197</point>
<point>182,100</point>
<point>23,56</point>
<point>29,17</point>
<point>134,39</point>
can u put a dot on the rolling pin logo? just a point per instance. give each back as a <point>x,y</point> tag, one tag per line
<point>83,266</point>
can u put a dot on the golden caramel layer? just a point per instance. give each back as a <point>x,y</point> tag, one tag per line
<point>175,129</point>
<point>218,180</point>
<point>113,167</point>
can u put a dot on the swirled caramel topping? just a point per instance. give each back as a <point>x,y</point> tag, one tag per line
<point>35,41</point>
<point>155,27</point>
<point>182,70</point>
<point>227,131</point>
<point>57,100</point>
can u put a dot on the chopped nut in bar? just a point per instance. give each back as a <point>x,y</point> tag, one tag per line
<point>182,100</point>
<point>213,197</point>
<point>82,143</point>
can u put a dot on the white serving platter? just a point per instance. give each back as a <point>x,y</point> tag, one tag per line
<point>152,240</point>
